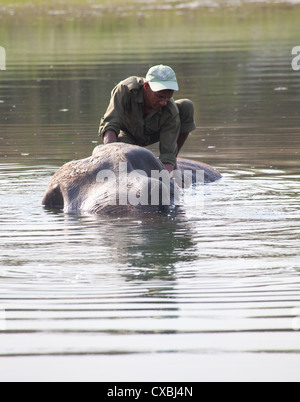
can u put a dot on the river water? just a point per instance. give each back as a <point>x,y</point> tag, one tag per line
<point>209,294</point>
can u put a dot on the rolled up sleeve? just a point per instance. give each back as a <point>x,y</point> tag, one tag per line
<point>114,114</point>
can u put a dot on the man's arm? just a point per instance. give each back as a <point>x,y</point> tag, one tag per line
<point>114,115</point>
<point>169,167</point>
<point>109,137</point>
<point>168,142</point>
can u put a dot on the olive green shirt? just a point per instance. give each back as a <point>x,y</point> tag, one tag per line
<point>125,116</point>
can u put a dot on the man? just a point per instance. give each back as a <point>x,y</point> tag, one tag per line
<point>143,111</point>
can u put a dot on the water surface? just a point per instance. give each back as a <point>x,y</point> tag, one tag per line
<point>210,293</point>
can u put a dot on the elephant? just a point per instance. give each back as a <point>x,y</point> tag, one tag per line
<point>118,178</point>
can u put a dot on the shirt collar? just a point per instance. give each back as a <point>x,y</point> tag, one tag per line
<point>140,95</point>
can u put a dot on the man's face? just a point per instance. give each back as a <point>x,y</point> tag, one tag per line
<point>156,100</point>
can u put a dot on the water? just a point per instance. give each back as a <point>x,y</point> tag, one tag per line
<point>207,294</point>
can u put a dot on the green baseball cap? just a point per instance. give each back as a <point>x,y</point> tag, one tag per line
<point>161,78</point>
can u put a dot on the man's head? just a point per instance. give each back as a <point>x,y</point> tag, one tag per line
<point>159,87</point>
<point>156,100</point>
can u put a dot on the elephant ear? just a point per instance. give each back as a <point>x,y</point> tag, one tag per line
<point>210,174</point>
<point>53,198</point>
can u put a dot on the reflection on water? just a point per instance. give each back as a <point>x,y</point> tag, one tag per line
<point>214,288</point>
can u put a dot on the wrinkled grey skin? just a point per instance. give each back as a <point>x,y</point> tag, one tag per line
<point>76,187</point>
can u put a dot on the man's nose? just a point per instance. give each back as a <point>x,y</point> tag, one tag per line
<point>163,102</point>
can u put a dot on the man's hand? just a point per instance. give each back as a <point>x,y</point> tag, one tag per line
<point>169,167</point>
<point>109,137</point>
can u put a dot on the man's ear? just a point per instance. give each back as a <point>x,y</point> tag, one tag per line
<point>146,85</point>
